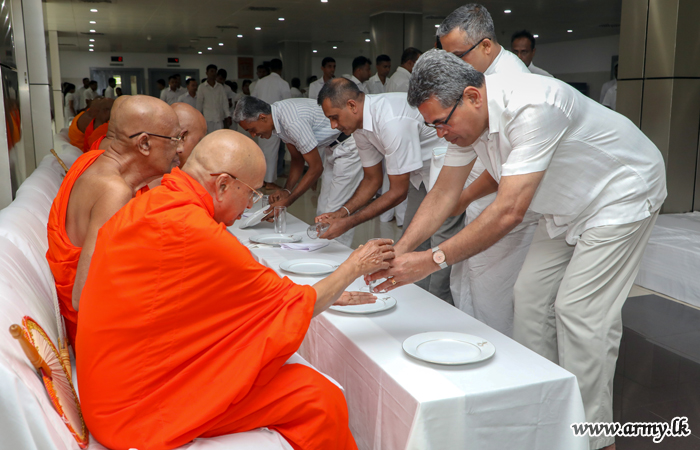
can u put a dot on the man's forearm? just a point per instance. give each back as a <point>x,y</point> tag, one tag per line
<point>296,170</point>
<point>363,194</point>
<point>309,178</point>
<point>330,288</point>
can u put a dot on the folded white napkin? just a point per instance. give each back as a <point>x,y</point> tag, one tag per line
<point>305,246</point>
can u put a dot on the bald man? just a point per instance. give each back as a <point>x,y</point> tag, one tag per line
<point>183,334</point>
<point>193,126</point>
<point>103,142</point>
<point>146,145</point>
<point>76,131</point>
<point>98,126</point>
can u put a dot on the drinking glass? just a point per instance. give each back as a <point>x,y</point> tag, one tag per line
<point>265,202</point>
<point>280,219</point>
<point>317,230</point>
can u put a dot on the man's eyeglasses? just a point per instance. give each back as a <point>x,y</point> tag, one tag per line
<point>255,194</point>
<point>442,125</point>
<point>175,140</point>
<point>473,47</point>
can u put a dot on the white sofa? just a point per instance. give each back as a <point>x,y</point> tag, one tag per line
<point>27,418</point>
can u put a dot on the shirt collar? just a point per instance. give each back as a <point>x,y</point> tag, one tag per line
<point>492,68</point>
<point>367,115</point>
<point>179,181</point>
<point>495,104</point>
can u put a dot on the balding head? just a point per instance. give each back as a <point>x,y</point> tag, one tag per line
<point>342,102</point>
<point>112,123</point>
<point>193,126</point>
<point>143,126</point>
<point>243,163</point>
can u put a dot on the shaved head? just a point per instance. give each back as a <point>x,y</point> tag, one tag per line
<point>238,156</point>
<point>110,128</point>
<point>193,126</point>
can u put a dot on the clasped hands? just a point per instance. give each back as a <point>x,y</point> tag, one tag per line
<point>338,221</point>
<point>405,268</point>
<point>277,198</point>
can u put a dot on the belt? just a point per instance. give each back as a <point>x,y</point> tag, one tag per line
<point>340,139</point>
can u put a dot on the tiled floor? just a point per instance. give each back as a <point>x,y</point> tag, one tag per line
<point>658,369</point>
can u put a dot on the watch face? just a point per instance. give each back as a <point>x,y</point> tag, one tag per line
<point>439,257</point>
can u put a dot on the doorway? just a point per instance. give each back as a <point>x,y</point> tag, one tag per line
<point>131,81</point>
<point>163,74</point>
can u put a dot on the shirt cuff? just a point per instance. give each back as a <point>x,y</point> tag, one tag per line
<point>459,156</point>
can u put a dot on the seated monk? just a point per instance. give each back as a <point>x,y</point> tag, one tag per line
<point>102,142</point>
<point>98,184</point>
<point>98,126</point>
<point>193,125</point>
<point>182,334</point>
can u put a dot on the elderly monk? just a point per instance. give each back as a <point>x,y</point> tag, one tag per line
<point>183,334</point>
<point>102,142</point>
<point>193,125</point>
<point>76,131</point>
<point>99,183</point>
<point>98,126</point>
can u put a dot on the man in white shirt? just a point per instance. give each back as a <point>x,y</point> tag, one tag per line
<point>109,92</point>
<point>608,85</point>
<point>262,72</point>
<point>482,286</point>
<point>213,103</point>
<point>386,129</point>
<point>190,97</point>
<point>301,124</point>
<point>180,88</point>
<point>296,88</point>
<point>596,178</point>
<point>79,96</point>
<point>523,45</point>
<point>376,83</point>
<point>221,75</point>
<point>361,71</point>
<point>90,94</point>
<point>610,99</point>
<point>328,69</point>
<point>272,89</point>
<point>399,80</point>
<point>171,94</point>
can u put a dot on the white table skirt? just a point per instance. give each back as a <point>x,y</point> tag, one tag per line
<point>516,399</point>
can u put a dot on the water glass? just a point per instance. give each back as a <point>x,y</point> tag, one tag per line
<point>265,202</point>
<point>280,219</point>
<point>317,230</point>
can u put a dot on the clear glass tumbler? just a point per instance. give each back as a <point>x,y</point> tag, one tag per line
<point>280,219</point>
<point>317,230</point>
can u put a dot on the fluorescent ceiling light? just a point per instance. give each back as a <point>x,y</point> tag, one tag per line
<point>221,44</point>
<point>92,40</point>
<point>240,35</point>
<point>92,49</point>
<point>91,45</point>
<point>507,11</point>
<point>258,28</point>
<point>92,21</point>
<point>535,36</point>
<point>93,10</point>
<point>199,53</point>
<point>324,1</point>
<point>281,19</point>
<point>208,48</point>
<point>569,31</point>
<point>367,40</point>
<point>315,51</point>
<point>92,31</point>
<point>335,46</point>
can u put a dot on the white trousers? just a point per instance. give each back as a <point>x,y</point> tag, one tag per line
<point>270,148</point>
<point>342,174</point>
<point>214,125</point>
<point>568,303</point>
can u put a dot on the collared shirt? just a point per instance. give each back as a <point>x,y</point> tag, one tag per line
<point>79,98</point>
<point>506,62</point>
<point>230,95</point>
<point>212,102</point>
<point>394,131</point>
<point>398,81</point>
<point>600,168</point>
<point>536,70</point>
<point>182,90</point>
<point>301,122</point>
<point>169,96</point>
<point>89,95</point>
<point>109,93</point>
<point>375,85</point>
<point>606,87</point>
<point>361,86</point>
<point>315,88</point>
<point>187,98</point>
<point>296,93</point>
<point>271,89</point>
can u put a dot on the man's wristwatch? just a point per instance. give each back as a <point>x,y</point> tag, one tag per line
<point>439,257</point>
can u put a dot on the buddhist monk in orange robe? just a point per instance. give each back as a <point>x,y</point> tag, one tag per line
<point>182,334</point>
<point>99,184</point>
<point>193,125</point>
<point>76,135</point>
<point>98,126</point>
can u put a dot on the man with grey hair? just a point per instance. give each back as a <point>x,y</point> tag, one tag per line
<point>596,178</point>
<point>482,286</point>
<point>386,129</point>
<point>301,125</point>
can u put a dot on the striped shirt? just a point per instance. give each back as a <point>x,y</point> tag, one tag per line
<point>301,122</point>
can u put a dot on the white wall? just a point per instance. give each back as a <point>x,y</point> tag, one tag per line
<point>76,65</point>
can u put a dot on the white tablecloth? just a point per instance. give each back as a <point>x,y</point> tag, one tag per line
<point>516,399</point>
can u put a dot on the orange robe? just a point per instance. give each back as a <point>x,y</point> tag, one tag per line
<point>76,137</point>
<point>183,334</point>
<point>96,144</point>
<point>62,255</point>
<point>96,134</point>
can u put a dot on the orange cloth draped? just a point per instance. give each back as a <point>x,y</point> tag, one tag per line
<point>88,131</point>
<point>62,255</point>
<point>96,144</point>
<point>97,134</point>
<point>183,334</point>
<point>76,137</point>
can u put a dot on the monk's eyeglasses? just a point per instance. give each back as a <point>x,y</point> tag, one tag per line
<point>255,194</point>
<point>175,140</point>
<point>441,125</point>
<point>472,48</point>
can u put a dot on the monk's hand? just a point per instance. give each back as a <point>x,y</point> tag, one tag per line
<point>373,256</point>
<point>405,269</point>
<point>355,298</point>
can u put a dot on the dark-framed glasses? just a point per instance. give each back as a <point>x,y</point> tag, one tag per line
<point>255,195</point>
<point>472,48</point>
<point>441,125</point>
<point>175,140</point>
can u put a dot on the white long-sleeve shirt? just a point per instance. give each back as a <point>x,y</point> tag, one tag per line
<point>212,102</point>
<point>271,89</point>
<point>398,81</point>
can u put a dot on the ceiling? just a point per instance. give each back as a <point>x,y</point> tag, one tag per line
<point>188,26</point>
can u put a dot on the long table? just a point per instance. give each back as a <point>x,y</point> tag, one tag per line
<point>515,400</point>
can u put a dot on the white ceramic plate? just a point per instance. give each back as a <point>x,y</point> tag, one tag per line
<point>383,303</point>
<point>309,266</point>
<point>253,219</point>
<point>445,347</point>
<point>275,239</point>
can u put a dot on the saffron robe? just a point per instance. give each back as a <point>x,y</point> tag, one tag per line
<point>94,135</point>
<point>182,334</point>
<point>76,137</point>
<point>96,144</point>
<point>62,255</point>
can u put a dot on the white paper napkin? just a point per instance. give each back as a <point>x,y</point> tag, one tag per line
<point>305,246</point>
